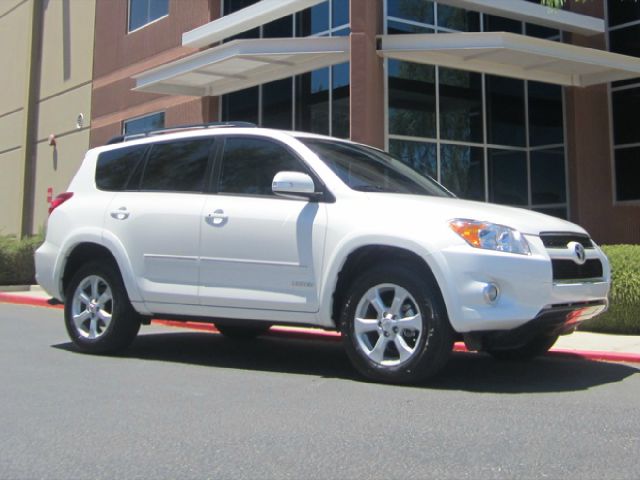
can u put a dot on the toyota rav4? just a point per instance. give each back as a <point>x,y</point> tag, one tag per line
<point>247,227</point>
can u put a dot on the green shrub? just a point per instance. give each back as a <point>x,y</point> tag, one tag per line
<point>16,259</point>
<point>623,315</point>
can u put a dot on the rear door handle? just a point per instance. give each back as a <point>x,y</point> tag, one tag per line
<point>217,218</point>
<point>121,214</point>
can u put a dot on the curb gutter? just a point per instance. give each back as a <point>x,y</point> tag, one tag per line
<point>317,334</point>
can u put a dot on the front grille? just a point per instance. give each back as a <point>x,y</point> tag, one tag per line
<point>570,270</point>
<point>561,240</point>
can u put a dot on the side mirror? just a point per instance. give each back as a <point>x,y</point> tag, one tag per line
<point>294,184</point>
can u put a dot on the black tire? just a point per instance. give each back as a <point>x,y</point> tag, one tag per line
<point>239,332</point>
<point>534,348</point>
<point>431,346</point>
<point>124,322</point>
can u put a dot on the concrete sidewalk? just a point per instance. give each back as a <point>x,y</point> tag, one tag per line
<point>596,346</point>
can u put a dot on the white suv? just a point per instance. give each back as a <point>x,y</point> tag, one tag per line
<point>247,227</point>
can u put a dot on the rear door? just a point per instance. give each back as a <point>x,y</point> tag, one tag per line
<point>258,250</point>
<point>158,220</point>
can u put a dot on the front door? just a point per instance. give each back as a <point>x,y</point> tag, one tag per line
<point>259,251</point>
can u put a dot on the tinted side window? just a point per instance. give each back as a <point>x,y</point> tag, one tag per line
<point>114,167</point>
<point>177,166</point>
<point>249,165</point>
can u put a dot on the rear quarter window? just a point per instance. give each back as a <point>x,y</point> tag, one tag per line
<point>115,167</point>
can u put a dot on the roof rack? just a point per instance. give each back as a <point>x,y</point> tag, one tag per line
<point>178,128</point>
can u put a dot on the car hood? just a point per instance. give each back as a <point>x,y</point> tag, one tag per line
<point>445,209</point>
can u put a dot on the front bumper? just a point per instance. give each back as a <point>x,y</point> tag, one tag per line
<point>551,321</point>
<point>525,283</point>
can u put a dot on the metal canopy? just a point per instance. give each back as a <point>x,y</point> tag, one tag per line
<point>534,13</point>
<point>242,64</point>
<point>513,55</point>
<point>245,19</point>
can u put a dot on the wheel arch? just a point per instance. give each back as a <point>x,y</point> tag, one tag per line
<point>91,250</point>
<point>363,257</point>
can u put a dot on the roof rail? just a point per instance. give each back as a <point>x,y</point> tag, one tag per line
<point>178,128</point>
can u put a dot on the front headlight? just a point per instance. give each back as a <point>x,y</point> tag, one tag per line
<point>490,236</point>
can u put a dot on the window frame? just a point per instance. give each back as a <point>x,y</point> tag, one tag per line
<point>321,187</point>
<point>130,30</point>
<point>140,117</point>
<point>147,155</point>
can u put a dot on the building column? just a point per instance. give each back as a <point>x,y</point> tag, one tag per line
<point>366,101</point>
<point>31,104</point>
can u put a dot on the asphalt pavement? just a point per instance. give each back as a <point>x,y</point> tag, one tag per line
<point>190,404</point>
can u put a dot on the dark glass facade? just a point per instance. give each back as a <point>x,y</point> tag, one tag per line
<point>317,101</point>
<point>484,137</point>
<point>624,37</point>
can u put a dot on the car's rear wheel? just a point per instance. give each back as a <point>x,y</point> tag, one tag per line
<point>98,315</point>
<point>394,325</point>
<point>241,332</point>
<point>534,348</point>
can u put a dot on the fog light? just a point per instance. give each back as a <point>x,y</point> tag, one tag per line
<point>491,293</point>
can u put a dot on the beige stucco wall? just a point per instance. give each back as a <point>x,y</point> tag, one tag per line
<point>14,56</point>
<point>56,168</point>
<point>64,91</point>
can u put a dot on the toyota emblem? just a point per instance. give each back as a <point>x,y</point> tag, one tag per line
<point>577,250</point>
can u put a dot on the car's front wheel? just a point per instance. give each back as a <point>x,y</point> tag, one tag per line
<point>98,315</point>
<point>395,326</point>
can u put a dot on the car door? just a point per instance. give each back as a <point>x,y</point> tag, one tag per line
<point>258,250</point>
<point>157,221</point>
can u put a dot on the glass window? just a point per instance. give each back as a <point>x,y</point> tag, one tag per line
<point>340,115</point>
<point>313,20</point>
<point>623,11</point>
<point>249,165</point>
<point>177,166</point>
<point>493,23</point>
<point>412,95</point>
<point>458,19</point>
<point>277,104</point>
<point>142,12</point>
<point>281,28</point>
<point>460,105</point>
<point>396,27</point>
<point>505,111</point>
<point>148,123</point>
<point>241,105</point>
<point>421,156</point>
<point>626,107</point>
<point>340,13</point>
<point>626,40</point>
<point>462,170</point>
<point>508,177</point>
<point>414,10</point>
<point>366,169</point>
<point>548,176</point>
<point>312,101</point>
<point>539,31</point>
<point>115,167</point>
<point>628,173</point>
<point>545,114</point>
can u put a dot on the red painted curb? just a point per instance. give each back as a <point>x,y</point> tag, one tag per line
<point>317,334</point>
<point>18,299</point>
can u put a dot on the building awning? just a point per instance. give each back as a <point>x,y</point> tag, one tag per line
<point>260,13</point>
<point>534,13</point>
<point>513,55</point>
<point>242,64</point>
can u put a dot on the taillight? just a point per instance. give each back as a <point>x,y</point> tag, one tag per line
<point>59,200</point>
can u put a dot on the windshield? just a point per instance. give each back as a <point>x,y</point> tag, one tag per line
<point>366,169</point>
